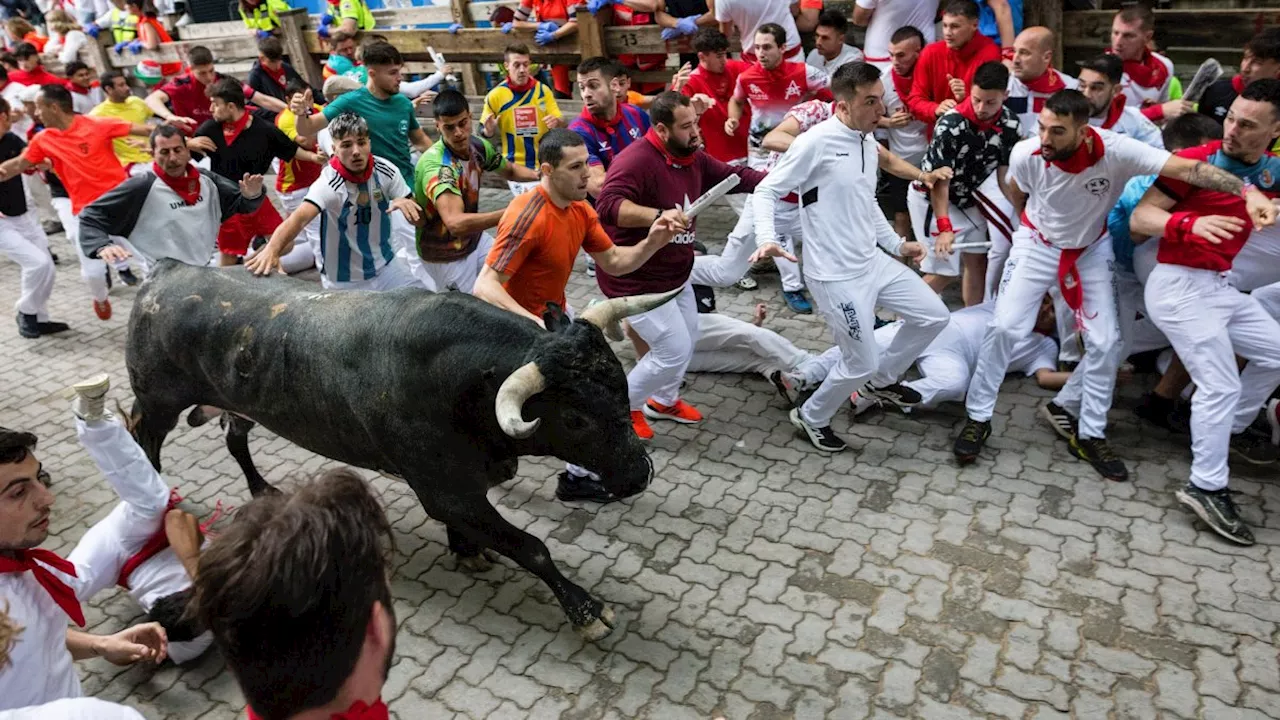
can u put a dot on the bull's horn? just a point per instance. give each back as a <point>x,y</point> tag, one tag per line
<point>519,386</point>
<point>608,315</point>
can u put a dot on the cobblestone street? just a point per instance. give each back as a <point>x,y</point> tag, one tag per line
<point>756,578</point>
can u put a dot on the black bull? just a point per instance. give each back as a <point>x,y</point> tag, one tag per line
<point>427,387</point>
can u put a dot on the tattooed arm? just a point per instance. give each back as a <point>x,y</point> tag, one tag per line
<point>1201,174</point>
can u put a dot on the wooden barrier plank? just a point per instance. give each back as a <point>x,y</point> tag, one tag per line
<point>200,31</point>
<point>468,45</point>
<point>293,31</point>
<point>222,48</point>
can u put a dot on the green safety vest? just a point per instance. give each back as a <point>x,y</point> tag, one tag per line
<point>357,9</point>
<point>265,16</point>
<point>124,25</point>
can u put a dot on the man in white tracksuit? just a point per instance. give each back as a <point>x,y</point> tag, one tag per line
<point>1208,321</point>
<point>833,169</point>
<point>1066,182</point>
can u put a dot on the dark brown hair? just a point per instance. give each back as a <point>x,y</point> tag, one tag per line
<point>14,444</point>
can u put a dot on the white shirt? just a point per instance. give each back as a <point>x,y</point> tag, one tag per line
<point>1070,209</point>
<point>908,142</point>
<point>67,47</point>
<point>355,228</point>
<point>74,709</point>
<point>963,336</point>
<point>1137,96</point>
<point>848,54</point>
<point>82,103</point>
<point>890,15</point>
<point>748,15</point>
<point>40,668</point>
<point>1026,104</point>
<point>1134,124</point>
<point>834,170</point>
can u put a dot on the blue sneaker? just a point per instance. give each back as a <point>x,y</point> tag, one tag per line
<point>797,301</point>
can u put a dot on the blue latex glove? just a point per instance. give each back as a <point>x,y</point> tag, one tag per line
<point>120,46</point>
<point>454,28</point>
<point>326,20</point>
<point>323,32</point>
<point>546,33</point>
<point>687,25</point>
<point>508,27</point>
<point>595,6</point>
<point>135,47</point>
<point>264,34</point>
<point>93,30</point>
<point>669,34</point>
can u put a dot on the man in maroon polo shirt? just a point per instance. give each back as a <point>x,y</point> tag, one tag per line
<point>183,100</point>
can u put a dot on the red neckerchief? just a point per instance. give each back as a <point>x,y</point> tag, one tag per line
<point>1115,112</point>
<point>1147,71</point>
<point>976,44</point>
<point>35,561</point>
<point>358,711</point>
<point>274,75</point>
<point>350,176</point>
<point>187,187</point>
<point>521,89</point>
<point>159,540</point>
<point>1086,155</point>
<point>1047,84</point>
<point>608,126</point>
<point>966,109</point>
<point>78,89</point>
<point>901,85</point>
<point>231,131</point>
<point>672,160</point>
<point>1237,84</point>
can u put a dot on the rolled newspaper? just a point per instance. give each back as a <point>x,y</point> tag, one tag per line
<point>440,62</point>
<point>720,190</point>
<point>970,246</point>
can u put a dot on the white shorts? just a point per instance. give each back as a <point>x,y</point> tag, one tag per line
<point>969,226</point>
<point>520,188</point>
<point>458,275</point>
<point>393,275</point>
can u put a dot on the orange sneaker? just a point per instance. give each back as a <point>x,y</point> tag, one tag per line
<point>641,426</point>
<point>681,412</point>
<point>103,309</point>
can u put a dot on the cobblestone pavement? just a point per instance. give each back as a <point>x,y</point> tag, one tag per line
<point>756,579</point>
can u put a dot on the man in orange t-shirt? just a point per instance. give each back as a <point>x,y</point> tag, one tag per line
<point>83,156</point>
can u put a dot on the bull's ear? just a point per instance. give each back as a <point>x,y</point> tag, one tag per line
<point>554,318</point>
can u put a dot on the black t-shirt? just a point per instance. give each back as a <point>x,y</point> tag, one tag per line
<point>252,151</point>
<point>13,201</point>
<point>686,8</point>
<point>1217,99</point>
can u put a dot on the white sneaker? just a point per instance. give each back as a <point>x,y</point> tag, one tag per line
<point>862,403</point>
<point>91,394</point>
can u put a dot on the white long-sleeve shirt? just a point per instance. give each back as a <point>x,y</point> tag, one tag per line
<point>833,170</point>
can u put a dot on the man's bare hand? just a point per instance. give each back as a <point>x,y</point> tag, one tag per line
<point>186,124</point>
<point>408,208</point>
<point>681,77</point>
<point>899,119</point>
<point>935,175</point>
<point>424,98</point>
<point>140,642</point>
<point>183,531</point>
<point>957,87</point>
<point>1261,209</point>
<point>301,104</point>
<point>772,250</point>
<point>1176,108</point>
<point>675,218</point>
<point>114,254</point>
<point>913,250</point>
<point>944,106</point>
<point>202,144</point>
<point>553,122</point>
<point>1217,228</point>
<point>264,262</point>
<point>702,103</point>
<point>730,126</point>
<point>941,244</point>
<point>251,186</point>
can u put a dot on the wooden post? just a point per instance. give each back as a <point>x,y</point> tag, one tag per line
<point>293,25</point>
<point>590,35</point>
<point>472,84</point>
<point>1047,13</point>
<point>94,54</point>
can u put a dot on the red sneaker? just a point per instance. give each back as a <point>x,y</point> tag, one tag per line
<point>641,426</point>
<point>103,309</point>
<point>681,412</point>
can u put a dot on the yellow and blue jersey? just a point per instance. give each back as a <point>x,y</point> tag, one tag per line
<point>522,119</point>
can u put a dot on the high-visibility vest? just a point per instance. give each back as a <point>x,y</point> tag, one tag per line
<point>358,9</point>
<point>265,16</point>
<point>124,25</point>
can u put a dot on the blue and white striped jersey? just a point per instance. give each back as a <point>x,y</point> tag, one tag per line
<point>355,228</point>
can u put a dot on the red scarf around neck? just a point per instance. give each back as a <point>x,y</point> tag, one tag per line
<point>350,176</point>
<point>976,44</point>
<point>1086,155</point>
<point>672,160</point>
<point>1147,71</point>
<point>358,711</point>
<point>1237,84</point>
<point>521,89</point>
<point>1047,84</point>
<point>1115,112</point>
<point>966,109</point>
<point>79,89</point>
<point>901,85</point>
<point>277,75</point>
<point>187,186</point>
<point>35,561</point>
<point>231,131</point>
<point>608,126</point>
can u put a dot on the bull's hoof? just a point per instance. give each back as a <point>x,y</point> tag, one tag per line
<point>482,562</point>
<point>599,628</point>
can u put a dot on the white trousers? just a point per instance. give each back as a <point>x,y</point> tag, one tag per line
<point>969,225</point>
<point>734,261</point>
<point>458,275</point>
<point>306,248</point>
<point>729,345</point>
<point>944,373</point>
<point>92,270</point>
<point>1209,323</point>
<point>670,331</point>
<point>392,275</point>
<point>1030,271</point>
<point>1269,298</point>
<point>1258,263</point>
<point>1002,222</point>
<point>23,241</point>
<point>849,308</point>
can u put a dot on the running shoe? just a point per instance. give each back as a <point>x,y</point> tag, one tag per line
<point>102,308</point>
<point>973,437</point>
<point>797,301</point>
<point>1062,422</point>
<point>896,394</point>
<point>641,426</point>
<point>822,438</point>
<point>1098,453</point>
<point>1218,510</point>
<point>128,277</point>
<point>862,403</point>
<point>573,488</point>
<point>747,283</point>
<point>1253,446</point>
<point>90,400</point>
<point>682,412</point>
<point>785,384</point>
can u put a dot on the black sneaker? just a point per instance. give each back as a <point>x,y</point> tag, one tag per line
<point>54,257</point>
<point>1062,422</point>
<point>1162,412</point>
<point>52,328</point>
<point>1253,447</point>
<point>573,488</point>
<point>1097,452</point>
<point>109,282</point>
<point>1218,511</point>
<point>822,438</point>
<point>973,437</point>
<point>128,277</point>
<point>783,387</point>
<point>28,326</point>
<point>897,394</point>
